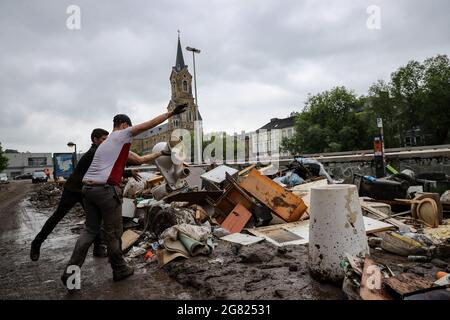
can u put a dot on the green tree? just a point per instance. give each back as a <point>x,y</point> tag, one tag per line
<point>383,106</point>
<point>436,113</point>
<point>407,91</point>
<point>418,95</point>
<point>331,121</point>
<point>3,160</point>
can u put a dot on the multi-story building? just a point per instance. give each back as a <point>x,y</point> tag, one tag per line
<point>266,140</point>
<point>24,162</point>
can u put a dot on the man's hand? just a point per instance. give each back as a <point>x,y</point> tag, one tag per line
<point>179,109</point>
<point>136,175</point>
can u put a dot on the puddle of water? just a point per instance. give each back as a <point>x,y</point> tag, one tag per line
<point>28,223</point>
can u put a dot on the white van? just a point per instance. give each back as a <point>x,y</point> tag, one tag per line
<point>3,178</point>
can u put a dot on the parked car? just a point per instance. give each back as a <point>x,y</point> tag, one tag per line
<point>24,176</point>
<point>3,178</point>
<point>39,176</point>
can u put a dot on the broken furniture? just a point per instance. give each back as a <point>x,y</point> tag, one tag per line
<point>429,209</point>
<point>232,196</point>
<point>282,202</point>
<point>215,178</point>
<point>237,219</point>
<point>195,197</point>
<point>194,179</point>
<point>382,189</point>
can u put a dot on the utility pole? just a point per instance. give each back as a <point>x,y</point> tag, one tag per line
<point>380,164</point>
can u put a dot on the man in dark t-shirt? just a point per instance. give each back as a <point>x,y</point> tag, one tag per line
<point>71,195</point>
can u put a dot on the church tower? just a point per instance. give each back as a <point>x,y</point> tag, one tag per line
<point>181,84</point>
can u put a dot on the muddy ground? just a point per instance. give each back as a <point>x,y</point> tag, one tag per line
<point>260,271</point>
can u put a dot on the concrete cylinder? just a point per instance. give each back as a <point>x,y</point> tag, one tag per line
<point>336,227</point>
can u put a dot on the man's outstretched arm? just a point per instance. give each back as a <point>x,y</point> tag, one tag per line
<point>135,159</point>
<point>137,129</point>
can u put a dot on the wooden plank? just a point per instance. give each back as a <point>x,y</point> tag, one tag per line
<point>245,170</point>
<point>385,216</point>
<point>389,202</point>
<point>407,283</point>
<point>282,202</point>
<point>237,219</point>
<point>129,237</point>
<point>269,170</point>
<point>408,201</point>
<point>371,283</point>
<point>372,225</point>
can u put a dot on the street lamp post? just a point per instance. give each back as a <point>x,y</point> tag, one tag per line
<point>71,144</point>
<point>194,51</point>
<point>197,114</point>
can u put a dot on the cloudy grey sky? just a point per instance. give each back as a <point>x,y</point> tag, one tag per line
<point>259,59</point>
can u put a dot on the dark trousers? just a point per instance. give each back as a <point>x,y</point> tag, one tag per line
<point>101,203</point>
<point>68,200</point>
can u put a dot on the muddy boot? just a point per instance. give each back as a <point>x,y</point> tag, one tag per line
<point>100,251</point>
<point>123,273</point>
<point>35,250</point>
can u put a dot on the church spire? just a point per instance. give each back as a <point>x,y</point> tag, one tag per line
<point>179,63</point>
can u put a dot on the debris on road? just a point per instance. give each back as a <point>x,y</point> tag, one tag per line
<point>298,221</point>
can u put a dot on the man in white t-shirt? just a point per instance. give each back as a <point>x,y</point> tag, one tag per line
<point>102,195</point>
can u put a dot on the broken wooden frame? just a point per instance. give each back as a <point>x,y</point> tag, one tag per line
<point>282,202</point>
<point>237,219</point>
<point>232,196</point>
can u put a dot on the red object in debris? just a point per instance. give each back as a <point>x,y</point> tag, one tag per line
<point>148,255</point>
<point>378,147</point>
<point>237,219</point>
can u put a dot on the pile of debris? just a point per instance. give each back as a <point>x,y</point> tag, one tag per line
<point>187,211</point>
<point>418,244</point>
<point>183,211</point>
<point>369,279</point>
<point>46,196</point>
